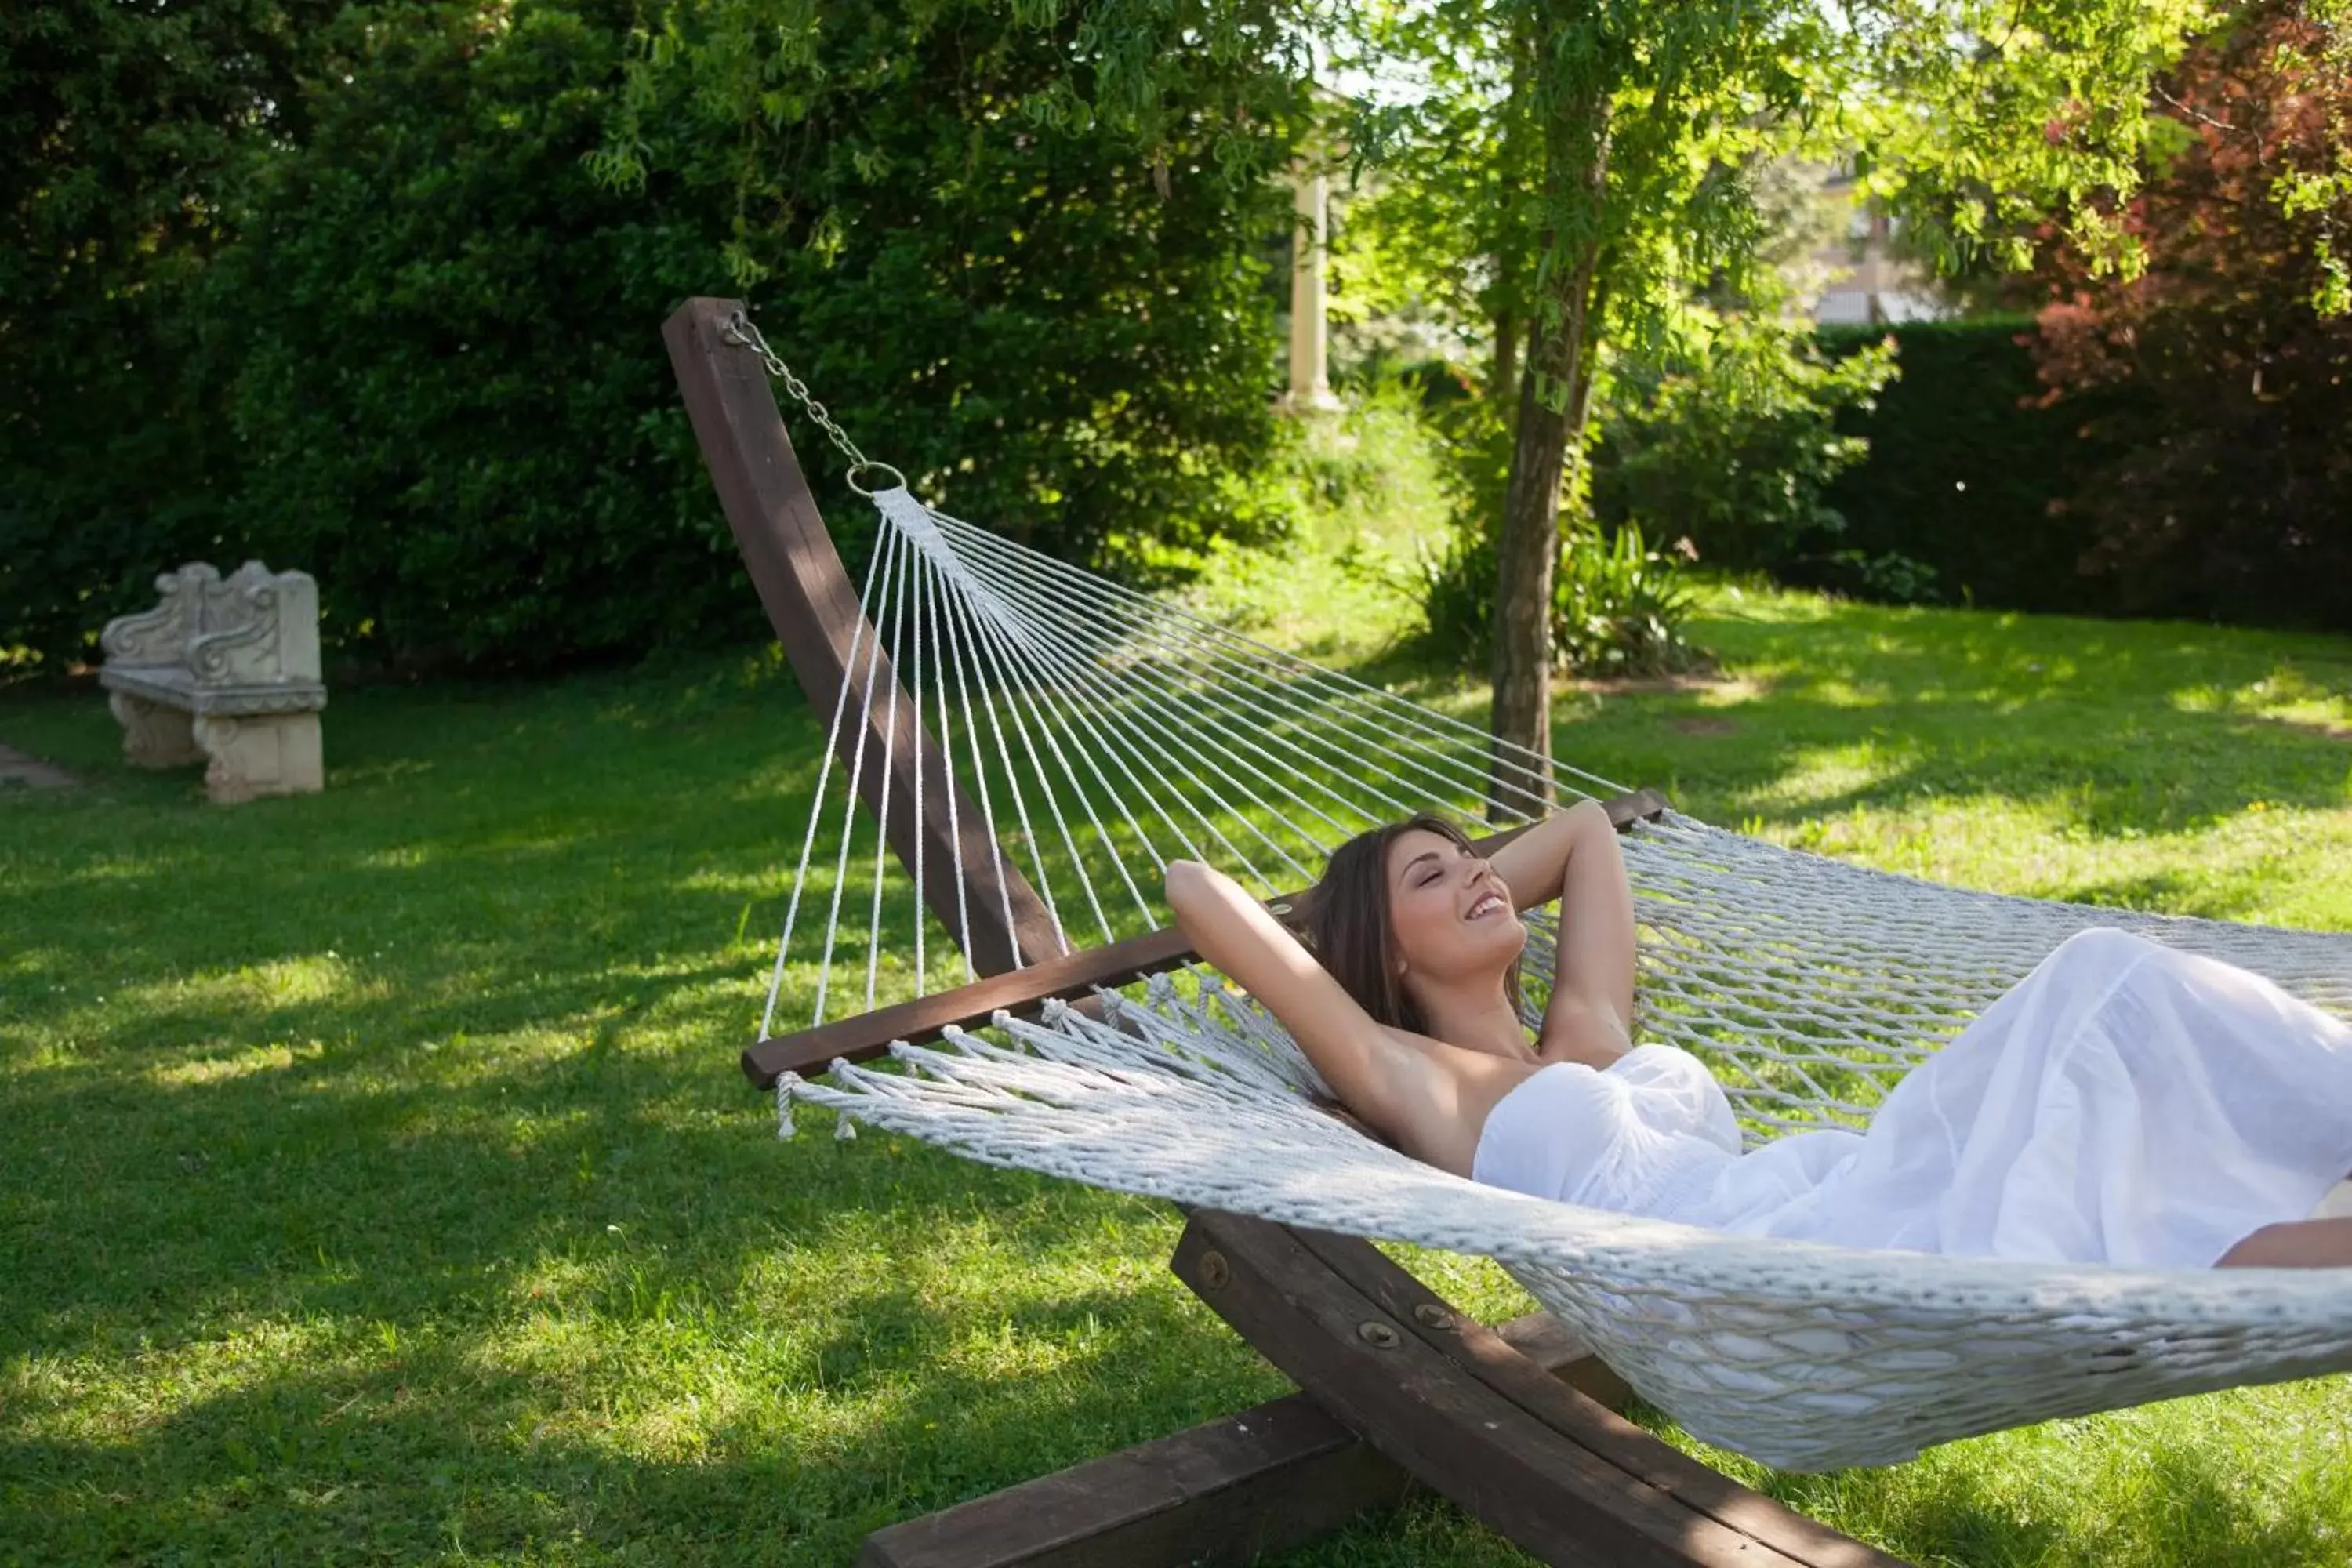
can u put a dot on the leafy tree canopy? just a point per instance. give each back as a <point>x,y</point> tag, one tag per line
<point>1584,165</point>
<point>2227,498</point>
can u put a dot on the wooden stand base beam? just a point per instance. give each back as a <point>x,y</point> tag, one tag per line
<point>1461,1411</point>
<point>1227,1491</point>
<point>1517,1424</point>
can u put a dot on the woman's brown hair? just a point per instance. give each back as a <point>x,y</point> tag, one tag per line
<point>1348,922</point>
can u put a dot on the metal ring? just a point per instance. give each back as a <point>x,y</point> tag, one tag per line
<point>870,467</point>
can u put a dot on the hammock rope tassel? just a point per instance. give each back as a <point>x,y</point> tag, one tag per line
<point>786,1084</point>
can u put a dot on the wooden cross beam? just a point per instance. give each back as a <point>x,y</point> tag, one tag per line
<point>1517,1424</point>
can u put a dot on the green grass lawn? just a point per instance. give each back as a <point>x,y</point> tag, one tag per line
<point>376,1183</point>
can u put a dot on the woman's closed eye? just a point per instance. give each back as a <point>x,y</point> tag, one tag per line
<point>1428,870</point>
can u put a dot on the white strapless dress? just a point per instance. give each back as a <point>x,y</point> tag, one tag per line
<point>2126,1103</point>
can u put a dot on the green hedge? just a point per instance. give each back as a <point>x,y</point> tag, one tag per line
<point>420,355</point>
<point>1968,473</point>
<point>122,126</point>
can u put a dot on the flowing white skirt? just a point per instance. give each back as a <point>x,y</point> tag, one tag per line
<point>2126,1103</point>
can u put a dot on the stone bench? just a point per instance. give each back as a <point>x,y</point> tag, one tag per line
<point>224,671</point>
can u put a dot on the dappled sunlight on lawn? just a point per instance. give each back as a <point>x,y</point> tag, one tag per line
<point>379,1176</point>
<point>2285,694</point>
<point>1817,778</point>
<point>196,1072</point>
<point>2144,765</point>
<point>309,979</point>
<point>121,1398</point>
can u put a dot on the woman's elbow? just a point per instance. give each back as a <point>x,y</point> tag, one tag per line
<point>1184,883</point>
<point>1591,816</point>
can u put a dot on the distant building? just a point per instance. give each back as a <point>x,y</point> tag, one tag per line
<point>1866,281</point>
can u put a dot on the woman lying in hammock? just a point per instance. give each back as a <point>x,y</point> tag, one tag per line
<point>2126,1103</point>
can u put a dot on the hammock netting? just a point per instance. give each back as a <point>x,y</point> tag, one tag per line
<point>1100,732</point>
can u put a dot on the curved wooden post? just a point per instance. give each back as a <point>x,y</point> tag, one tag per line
<point>814,607</point>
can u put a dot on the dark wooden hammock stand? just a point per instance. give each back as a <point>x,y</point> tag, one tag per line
<point>1517,1424</point>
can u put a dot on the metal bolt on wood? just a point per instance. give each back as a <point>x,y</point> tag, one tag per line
<point>1430,1315</point>
<point>1215,1272</point>
<point>1379,1334</point>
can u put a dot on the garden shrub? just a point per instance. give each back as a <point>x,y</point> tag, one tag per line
<point>1963,494</point>
<point>1913,463</point>
<point>125,128</point>
<point>1618,606</point>
<point>2169,444</point>
<point>443,363</point>
<point>1735,446</point>
<point>427,340</point>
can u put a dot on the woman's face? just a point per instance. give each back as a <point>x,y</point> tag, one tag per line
<point>1450,914</point>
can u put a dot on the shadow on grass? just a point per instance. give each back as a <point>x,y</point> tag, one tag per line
<point>579,1300</point>
<point>360,1461</point>
<point>468,1237</point>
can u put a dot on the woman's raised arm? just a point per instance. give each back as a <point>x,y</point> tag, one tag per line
<point>1415,1095</point>
<point>1573,856</point>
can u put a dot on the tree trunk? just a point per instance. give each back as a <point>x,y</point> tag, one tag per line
<point>1506,355</point>
<point>1555,388</point>
<point>1506,295</point>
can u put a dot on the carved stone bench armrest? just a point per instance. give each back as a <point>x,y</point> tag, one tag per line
<point>159,635</point>
<point>224,671</point>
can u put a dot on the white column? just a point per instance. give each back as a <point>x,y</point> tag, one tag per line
<point>1310,385</point>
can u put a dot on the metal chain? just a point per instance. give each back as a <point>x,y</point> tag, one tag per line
<point>743,333</point>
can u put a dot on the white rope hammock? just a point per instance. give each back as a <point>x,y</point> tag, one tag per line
<point>1102,732</point>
